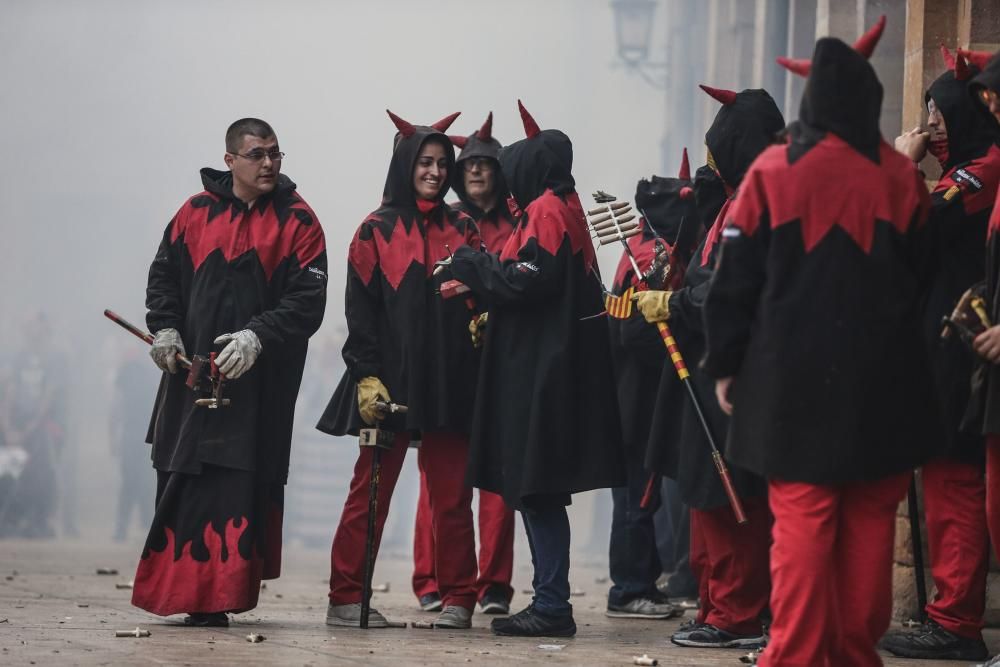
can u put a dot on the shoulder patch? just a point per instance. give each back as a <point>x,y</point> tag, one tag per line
<point>967,180</point>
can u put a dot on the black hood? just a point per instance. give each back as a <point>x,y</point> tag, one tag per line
<point>536,164</point>
<point>667,212</point>
<point>970,132</point>
<point>989,78</point>
<point>398,189</point>
<point>476,147</point>
<point>220,183</point>
<point>709,195</point>
<point>843,96</point>
<point>741,130</point>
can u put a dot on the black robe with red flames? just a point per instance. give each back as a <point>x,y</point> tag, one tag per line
<point>400,330</point>
<point>223,267</point>
<point>546,420</point>
<point>679,448</point>
<point>816,305</point>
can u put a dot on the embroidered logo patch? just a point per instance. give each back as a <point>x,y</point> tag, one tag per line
<point>964,178</point>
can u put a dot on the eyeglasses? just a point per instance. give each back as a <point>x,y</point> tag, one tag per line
<point>987,96</point>
<point>258,155</point>
<point>480,163</point>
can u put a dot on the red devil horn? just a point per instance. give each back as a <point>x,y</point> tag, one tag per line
<point>405,129</point>
<point>867,42</point>
<point>976,58</point>
<point>443,124</point>
<point>458,140</point>
<point>949,60</point>
<point>530,126</point>
<point>962,71</point>
<point>685,172</point>
<point>795,65</point>
<point>485,133</point>
<point>725,96</point>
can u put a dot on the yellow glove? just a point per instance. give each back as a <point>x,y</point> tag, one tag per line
<point>370,390</point>
<point>654,305</point>
<point>476,326</point>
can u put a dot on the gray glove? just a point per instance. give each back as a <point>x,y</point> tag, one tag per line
<point>239,355</point>
<point>166,345</point>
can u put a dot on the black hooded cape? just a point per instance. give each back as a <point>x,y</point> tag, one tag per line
<point>961,207</point>
<point>816,305</point>
<point>400,330</point>
<point>546,420</point>
<point>222,267</point>
<point>678,448</point>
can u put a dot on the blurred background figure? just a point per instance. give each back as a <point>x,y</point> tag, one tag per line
<point>32,432</point>
<point>131,403</point>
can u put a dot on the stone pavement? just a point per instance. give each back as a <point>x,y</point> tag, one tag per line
<point>55,609</point>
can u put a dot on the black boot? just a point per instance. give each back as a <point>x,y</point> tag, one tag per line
<point>199,620</point>
<point>933,642</point>
<point>531,623</point>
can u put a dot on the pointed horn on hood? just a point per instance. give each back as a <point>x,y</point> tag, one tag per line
<point>949,59</point>
<point>443,124</point>
<point>962,71</point>
<point>530,126</point>
<point>867,42</point>
<point>485,133</point>
<point>727,97</point>
<point>458,140</point>
<point>799,66</point>
<point>865,45</point>
<point>406,129</point>
<point>976,58</point>
<point>685,172</point>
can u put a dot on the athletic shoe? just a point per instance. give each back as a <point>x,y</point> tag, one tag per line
<point>430,602</point>
<point>454,617</point>
<point>349,615</point>
<point>494,601</point>
<point>643,607</point>
<point>931,641</point>
<point>530,623</point>
<point>706,635</point>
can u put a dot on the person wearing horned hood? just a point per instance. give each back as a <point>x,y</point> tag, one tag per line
<point>407,345</point>
<point>482,195</point>
<point>964,141</point>
<point>728,559</point>
<point>814,335</point>
<point>546,420</point>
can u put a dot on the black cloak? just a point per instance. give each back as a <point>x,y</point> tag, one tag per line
<point>816,305</point>
<point>222,267</point>
<point>400,330</point>
<point>546,420</point>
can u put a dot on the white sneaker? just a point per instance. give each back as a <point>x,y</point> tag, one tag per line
<point>455,617</point>
<point>349,615</point>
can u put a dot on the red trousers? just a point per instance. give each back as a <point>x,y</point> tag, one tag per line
<point>955,512</point>
<point>831,571</point>
<point>496,544</point>
<point>730,563</point>
<point>442,457</point>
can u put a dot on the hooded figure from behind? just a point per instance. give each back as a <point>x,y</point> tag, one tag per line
<point>546,420</point>
<point>813,331</point>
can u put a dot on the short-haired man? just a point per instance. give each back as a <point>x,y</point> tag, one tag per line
<point>241,271</point>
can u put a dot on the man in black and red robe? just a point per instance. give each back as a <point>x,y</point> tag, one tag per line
<point>482,196</point>
<point>814,334</point>
<point>669,229</point>
<point>964,141</point>
<point>408,345</point>
<point>729,560</point>
<point>546,423</point>
<point>241,270</point>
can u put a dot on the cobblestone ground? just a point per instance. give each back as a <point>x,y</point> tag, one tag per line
<point>55,609</point>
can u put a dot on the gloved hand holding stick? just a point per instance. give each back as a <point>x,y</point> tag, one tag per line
<point>611,222</point>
